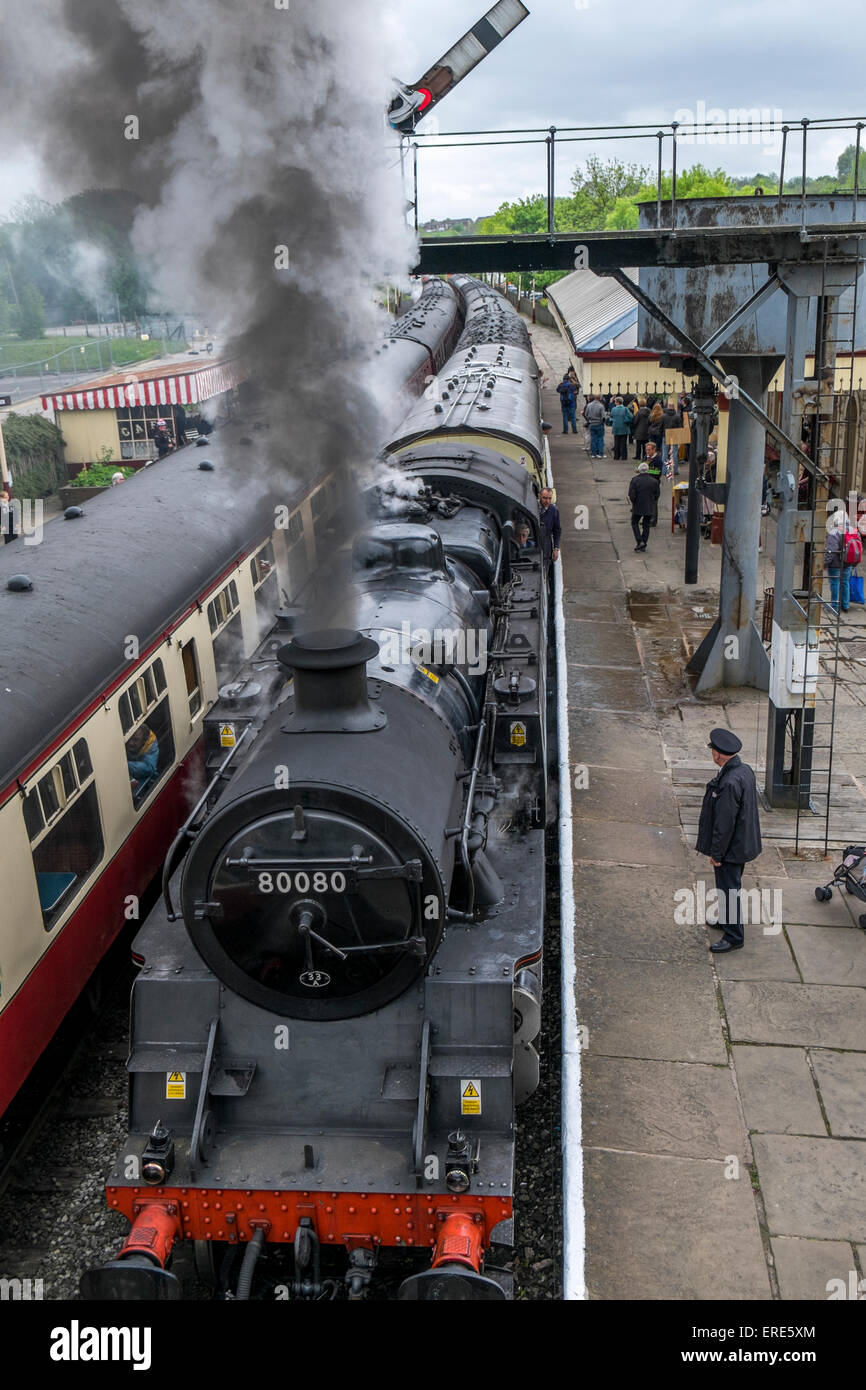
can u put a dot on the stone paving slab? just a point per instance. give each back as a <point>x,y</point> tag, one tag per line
<point>777,1090</point>
<point>599,687</point>
<point>600,644</point>
<point>603,738</point>
<point>644,930</point>
<point>812,1187</point>
<point>662,1107</point>
<point>608,608</point>
<point>614,794</point>
<point>805,1268</point>
<point>842,1082</point>
<point>605,575</point>
<point>653,1009</point>
<point>670,1228</point>
<point>629,843</point>
<point>800,1015</point>
<point>764,957</point>
<point>830,957</point>
<point>799,903</point>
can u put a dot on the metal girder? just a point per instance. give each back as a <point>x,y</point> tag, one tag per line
<point>710,366</point>
<point>604,251</point>
<point>753,302</point>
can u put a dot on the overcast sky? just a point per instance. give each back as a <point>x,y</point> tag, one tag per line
<point>609,62</point>
<point>620,62</point>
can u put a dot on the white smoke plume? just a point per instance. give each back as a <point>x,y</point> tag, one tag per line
<point>254,132</point>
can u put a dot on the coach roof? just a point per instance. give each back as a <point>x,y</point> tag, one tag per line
<point>131,565</point>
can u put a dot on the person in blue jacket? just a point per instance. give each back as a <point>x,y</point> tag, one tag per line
<point>142,759</point>
<point>621,419</point>
<point>568,400</point>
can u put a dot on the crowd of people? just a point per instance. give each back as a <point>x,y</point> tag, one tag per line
<point>652,424</point>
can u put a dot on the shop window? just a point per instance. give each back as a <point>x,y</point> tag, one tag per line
<point>61,813</point>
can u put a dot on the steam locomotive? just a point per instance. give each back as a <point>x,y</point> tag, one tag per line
<point>326,1055</point>
<point>77,839</point>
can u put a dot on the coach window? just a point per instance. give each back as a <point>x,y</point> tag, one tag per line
<point>145,718</point>
<point>263,573</point>
<point>193,680</point>
<point>224,620</point>
<point>61,813</point>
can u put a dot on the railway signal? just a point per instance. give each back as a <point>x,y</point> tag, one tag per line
<point>412,103</point>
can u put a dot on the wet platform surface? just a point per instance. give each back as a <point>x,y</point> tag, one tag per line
<point>724,1098</point>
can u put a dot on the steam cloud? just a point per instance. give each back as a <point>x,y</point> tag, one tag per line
<point>258,127</point>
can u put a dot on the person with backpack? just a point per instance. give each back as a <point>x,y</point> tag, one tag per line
<point>843,551</point>
<point>568,400</point>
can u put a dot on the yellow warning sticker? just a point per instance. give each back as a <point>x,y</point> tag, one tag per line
<point>518,734</point>
<point>429,674</point>
<point>470,1097</point>
<point>175,1085</point>
<point>227,736</point>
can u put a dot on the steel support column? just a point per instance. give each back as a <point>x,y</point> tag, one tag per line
<point>732,653</point>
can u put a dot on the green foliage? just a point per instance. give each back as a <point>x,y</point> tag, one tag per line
<point>77,254</point>
<point>598,189</point>
<point>524,216</point>
<point>39,351</point>
<point>28,315</point>
<point>845,167</point>
<point>99,475</point>
<point>34,451</point>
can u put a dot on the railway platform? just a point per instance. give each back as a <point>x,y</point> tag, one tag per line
<point>723,1099</point>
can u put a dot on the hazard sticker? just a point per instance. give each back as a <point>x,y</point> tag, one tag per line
<point>175,1085</point>
<point>470,1097</point>
<point>517,732</point>
<point>429,674</point>
<point>227,736</point>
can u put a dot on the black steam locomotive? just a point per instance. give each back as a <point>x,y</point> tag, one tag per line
<point>324,1065</point>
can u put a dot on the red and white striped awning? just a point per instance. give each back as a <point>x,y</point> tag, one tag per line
<point>187,388</point>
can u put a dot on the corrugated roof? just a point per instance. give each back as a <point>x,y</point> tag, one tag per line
<point>588,304</point>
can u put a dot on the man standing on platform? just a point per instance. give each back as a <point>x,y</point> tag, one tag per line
<point>568,401</point>
<point>551,527</point>
<point>594,415</point>
<point>729,832</point>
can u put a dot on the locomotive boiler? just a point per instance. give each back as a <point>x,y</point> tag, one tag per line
<point>325,1063</point>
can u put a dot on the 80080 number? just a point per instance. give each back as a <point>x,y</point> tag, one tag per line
<point>301,882</point>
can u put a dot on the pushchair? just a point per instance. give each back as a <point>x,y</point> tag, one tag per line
<point>850,877</point>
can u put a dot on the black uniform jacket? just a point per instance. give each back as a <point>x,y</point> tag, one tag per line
<point>729,830</point>
<point>643,493</point>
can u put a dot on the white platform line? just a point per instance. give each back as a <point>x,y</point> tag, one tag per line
<point>573,1214</point>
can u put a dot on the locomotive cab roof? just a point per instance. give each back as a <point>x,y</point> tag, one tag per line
<point>399,545</point>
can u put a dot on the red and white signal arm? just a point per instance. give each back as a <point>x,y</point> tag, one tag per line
<point>412,103</point>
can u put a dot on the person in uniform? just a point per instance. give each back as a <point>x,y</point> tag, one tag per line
<point>729,832</point>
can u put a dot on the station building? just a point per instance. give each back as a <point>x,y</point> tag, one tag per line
<point>120,411</point>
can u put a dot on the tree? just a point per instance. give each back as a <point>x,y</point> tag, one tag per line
<point>28,318</point>
<point>597,188</point>
<point>526,215</point>
<point>845,167</point>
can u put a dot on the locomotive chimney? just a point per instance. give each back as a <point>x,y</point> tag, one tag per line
<point>330,682</point>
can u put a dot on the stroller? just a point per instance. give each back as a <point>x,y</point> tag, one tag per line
<point>849,876</point>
